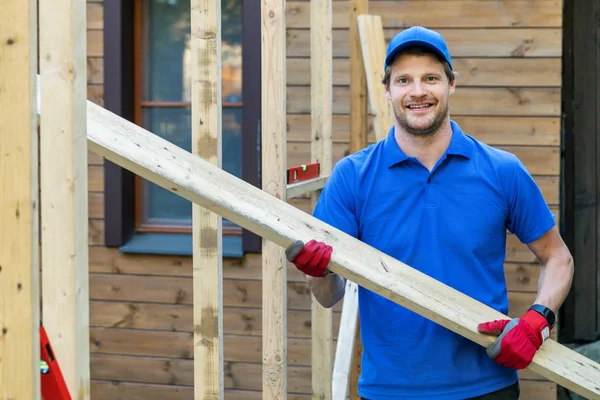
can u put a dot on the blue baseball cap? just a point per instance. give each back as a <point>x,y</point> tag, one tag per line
<point>417,36</point>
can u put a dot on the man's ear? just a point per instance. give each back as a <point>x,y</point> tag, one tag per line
<point>452,86</point>
<point>388,95</point>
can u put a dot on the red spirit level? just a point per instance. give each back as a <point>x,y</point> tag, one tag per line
<point>303,172</point>
<point>52,381</point>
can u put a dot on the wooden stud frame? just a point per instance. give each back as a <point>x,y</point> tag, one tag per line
<point>207,226</point>
<point>64,189</point>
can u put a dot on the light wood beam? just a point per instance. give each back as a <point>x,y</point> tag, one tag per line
<point>344,355</point>
<point>273,148</point>
<point>207,246</point>
<point>19,241</point>
<point>300,188</point>
<point>359,125</point>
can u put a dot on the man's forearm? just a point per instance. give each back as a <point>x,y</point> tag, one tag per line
<point>328,290</point>
<point>555,281</point>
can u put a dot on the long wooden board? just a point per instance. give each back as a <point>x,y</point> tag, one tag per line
<point>173,168</point>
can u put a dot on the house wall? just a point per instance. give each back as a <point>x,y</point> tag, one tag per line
<point>509,56</point>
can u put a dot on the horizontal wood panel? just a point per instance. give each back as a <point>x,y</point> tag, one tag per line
<point>474,72</point>
<point>533,390</point>
<point>442,13</point>
<point>96,178</point>
<point>465,101</point>
<point>516,131</point>
<point>538,160</point>
<point>95,70</point>
<point>239,376</point>
<point>96,205</point>
<point>95,15</point>
<point>246,349</point>
<point>96,94</point>
<point>511,42</point>
<point>96,232</point>
<point>95,159</point>
<point>236,293</point>
<point>95,43</point>
<point>179,318</point>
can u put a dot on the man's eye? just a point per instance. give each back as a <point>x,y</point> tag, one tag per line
<point>432,78</point>
<point>402,80</point>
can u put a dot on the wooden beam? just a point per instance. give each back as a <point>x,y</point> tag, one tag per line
<point>64,188</point>
<point>373,51</point>
<point>321,152</point>
<point>300,188</point>
<point>19,250</point>
<point>207,226</point>
<point>273,149</point>
<point>173,168</point>
<point>359,124</point>
<point>344,355</point>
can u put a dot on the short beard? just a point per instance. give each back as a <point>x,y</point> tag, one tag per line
<point>425,132</point>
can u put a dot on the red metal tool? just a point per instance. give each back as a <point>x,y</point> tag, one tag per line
<point>303,172</point>
<point>52,381</point>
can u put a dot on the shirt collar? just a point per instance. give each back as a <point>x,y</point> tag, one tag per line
<point>460,145</point>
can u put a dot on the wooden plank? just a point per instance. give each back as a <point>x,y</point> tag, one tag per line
<point>373,52</point>
<point>473,72</point>
<point>462,42</point>
<point>437,14</point>
<point>179,318</point>
<point>538,160</point>
<point>96,94</point>
<point>94,159</point>
<point>207,229</point>
<point>103,390</point>
<point>515,131</point>
<point>541,102</point>
<point>96,232</point>
<point>64,189</point>
<point>19,251</point>
<point>170,166</point>
<point>95,43</point>
<point>345,359</point>
<point>273,167</point>
<point>95,15</point>
<point>95,178</point>
<point>321,81</point>
<point>95,70</point>
<point>304,187</point>
<point>357,78</point>
<point>532,390</point>
<point>96,205</point>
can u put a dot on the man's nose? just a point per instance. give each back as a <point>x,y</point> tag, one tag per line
<point>418,89</point>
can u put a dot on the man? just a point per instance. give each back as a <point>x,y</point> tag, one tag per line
<point>440,201</point>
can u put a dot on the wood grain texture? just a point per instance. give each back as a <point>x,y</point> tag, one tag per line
<point>281,223</point>
<point>356,74</point>
<point>19,251</point>
<point>439,14</point>
<point>273,167</point>
<point>207,229</point>
<point>345,358</point>
<point>462,42</point>
<point>64,188</point>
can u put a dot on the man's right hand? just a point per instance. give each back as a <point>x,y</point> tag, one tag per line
<point>311,258</point>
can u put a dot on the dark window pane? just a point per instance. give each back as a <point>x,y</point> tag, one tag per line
<point>167,74</point>
<point>160,206</point>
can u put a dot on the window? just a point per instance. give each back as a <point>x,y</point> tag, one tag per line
<point>141,216</point>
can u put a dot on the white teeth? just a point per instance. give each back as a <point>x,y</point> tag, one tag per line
<point>420,106</point>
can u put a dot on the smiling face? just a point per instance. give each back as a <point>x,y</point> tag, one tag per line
<point>419,90</point>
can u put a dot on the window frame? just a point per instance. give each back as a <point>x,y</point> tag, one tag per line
<point>120,98</point>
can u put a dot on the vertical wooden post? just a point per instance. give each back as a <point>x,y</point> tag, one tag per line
<point>359,125</point>
<point>19,262</point>
<point>321,151</point>
<point>64,188</point>
<point>273,133</point>
<point>207,226</point>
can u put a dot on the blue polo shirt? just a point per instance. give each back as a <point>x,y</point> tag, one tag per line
<point>450,224</point>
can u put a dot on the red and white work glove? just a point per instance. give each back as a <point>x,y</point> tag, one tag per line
<point>311,258</point>
<point>519,339</point>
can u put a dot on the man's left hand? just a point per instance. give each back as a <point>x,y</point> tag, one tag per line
<point>519,339</point>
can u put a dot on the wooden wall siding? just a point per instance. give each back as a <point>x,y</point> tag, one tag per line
<point>509,57</point>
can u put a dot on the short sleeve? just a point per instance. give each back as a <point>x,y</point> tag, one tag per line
<point>336,205</point>
<point>529,215</point>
